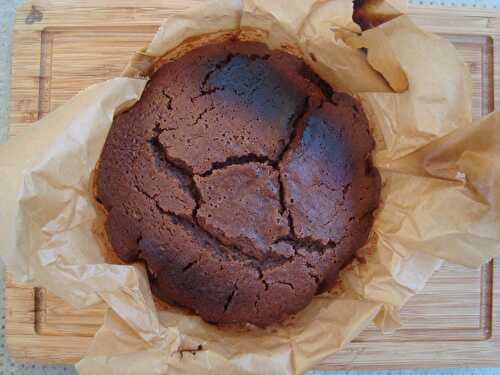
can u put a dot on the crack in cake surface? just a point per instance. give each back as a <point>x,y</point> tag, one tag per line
<point>215,90</point>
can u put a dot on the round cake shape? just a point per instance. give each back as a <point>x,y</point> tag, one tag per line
<point>241,180</point>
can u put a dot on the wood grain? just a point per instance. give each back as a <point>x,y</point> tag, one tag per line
<point>61,47</point>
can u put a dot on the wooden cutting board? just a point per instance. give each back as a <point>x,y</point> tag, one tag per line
<point>61,47</point>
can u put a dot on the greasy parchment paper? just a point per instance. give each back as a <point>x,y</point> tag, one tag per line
<point>440,196</point>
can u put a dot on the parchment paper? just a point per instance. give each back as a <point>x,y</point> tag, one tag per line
<point>441,188</point>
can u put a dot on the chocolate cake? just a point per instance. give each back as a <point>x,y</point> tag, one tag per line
<point>242,180</point>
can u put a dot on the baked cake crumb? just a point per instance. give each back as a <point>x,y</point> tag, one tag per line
<point>242,180</point>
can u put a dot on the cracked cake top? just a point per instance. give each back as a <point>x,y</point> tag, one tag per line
<point>241,180</point>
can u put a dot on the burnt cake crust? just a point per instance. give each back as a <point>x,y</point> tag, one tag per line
<point>241,180</point>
